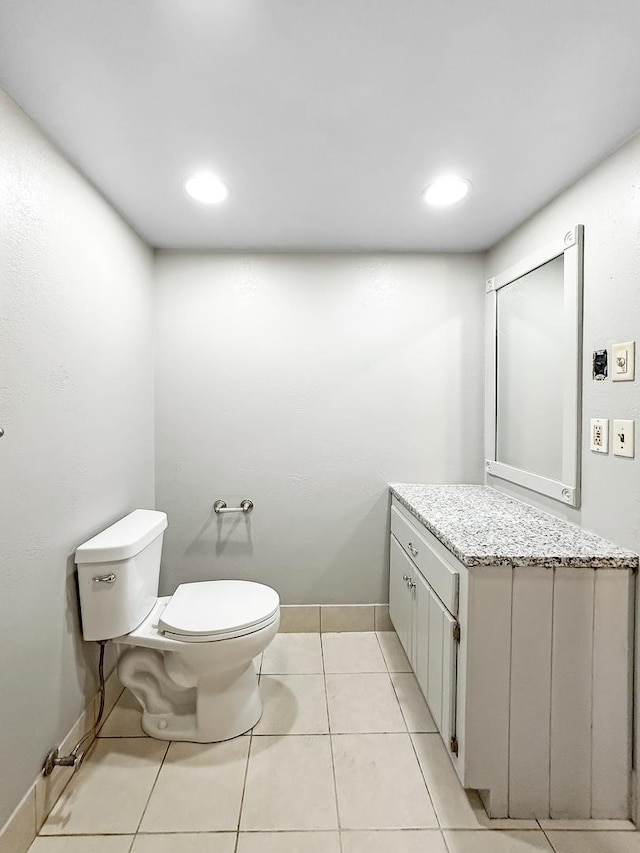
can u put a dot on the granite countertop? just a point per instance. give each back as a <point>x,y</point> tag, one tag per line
<point>483,527</point>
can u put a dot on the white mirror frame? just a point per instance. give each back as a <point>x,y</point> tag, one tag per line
<point>568,490</point>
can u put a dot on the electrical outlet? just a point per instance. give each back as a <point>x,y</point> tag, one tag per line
<point>623,438</point>
<point>599,435</point>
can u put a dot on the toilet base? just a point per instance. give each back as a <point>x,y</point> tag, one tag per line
<point>228,705</point>
<point>219,706</point>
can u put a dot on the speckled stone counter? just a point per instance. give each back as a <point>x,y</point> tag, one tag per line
<point>483,527</point>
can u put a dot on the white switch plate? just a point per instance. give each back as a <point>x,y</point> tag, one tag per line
<point>623,438</point>
<point>599,441</point>
<point>623,362</point>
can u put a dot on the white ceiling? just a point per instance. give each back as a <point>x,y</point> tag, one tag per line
<point>326,118</point>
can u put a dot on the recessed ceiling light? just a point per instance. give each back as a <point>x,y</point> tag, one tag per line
<point>446,190</point>
<point>206,187</point>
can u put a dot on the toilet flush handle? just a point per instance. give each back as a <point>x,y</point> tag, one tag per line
<point>105,578</point>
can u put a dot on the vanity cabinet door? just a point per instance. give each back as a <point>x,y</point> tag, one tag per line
<point>421,633</point>
<point>449,682</point>
<point>401,596</point>
<point>435,655</point>
<point>442,673</point>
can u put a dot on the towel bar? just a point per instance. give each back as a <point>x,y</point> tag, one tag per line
<point>220,506</point>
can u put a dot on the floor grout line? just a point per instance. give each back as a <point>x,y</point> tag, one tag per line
<point>395,693</point>
<point>246,772</point>
<point>333,761</point>
<point>413,747</point>
<point>424,779</point>
<point>153,787</point>
<point>444,840</point>
<point>549,842</point>
<point>384,657</point>
<point>484,830</point>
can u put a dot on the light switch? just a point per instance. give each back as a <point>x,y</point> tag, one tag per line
<point>623,362</point>
<point>623,438</point>
<point>599,435</point>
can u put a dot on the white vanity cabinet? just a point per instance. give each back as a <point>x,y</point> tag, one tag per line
<point>427,629</point>
<point>401,598</point>
<point>525,661</point>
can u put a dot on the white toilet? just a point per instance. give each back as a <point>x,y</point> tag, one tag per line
<point>189,660</point>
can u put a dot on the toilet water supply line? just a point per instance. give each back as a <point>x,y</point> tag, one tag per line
<point>73,759</point>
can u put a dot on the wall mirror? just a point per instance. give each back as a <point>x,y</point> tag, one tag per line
<point>533,378</point>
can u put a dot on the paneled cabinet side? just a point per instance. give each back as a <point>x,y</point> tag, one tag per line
<point>571,693</point>
<point>487,689</point>
<point>530,692</point>
<point>612,695</point>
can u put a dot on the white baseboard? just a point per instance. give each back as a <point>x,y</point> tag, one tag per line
<point>18,833</point>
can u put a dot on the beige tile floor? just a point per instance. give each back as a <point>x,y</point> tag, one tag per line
<point>345,759</point>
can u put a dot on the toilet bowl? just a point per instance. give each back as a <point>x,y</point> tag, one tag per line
<point>187,658</point>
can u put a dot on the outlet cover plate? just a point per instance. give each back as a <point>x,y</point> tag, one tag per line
<point>599,435</point>
<point>623,362</point>
<point>623,438</point>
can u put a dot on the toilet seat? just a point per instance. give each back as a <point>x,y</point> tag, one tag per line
<point>207,611</point>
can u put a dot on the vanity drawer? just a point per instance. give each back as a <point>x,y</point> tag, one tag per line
<point>443,579</point>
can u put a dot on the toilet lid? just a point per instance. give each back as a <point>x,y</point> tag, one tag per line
<point>210,608</point>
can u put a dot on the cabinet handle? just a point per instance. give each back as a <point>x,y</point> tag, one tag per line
<point>413,550</point>
<point>405,578</point>
<point>412,583</point>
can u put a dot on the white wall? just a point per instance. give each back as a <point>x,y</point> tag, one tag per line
<point>607,202</point>
<point>76,391</point>
<point>306,383</point>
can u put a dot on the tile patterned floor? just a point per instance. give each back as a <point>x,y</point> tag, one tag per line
<point>345,759</point>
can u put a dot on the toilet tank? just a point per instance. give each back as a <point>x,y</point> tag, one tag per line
<point>118,574</point>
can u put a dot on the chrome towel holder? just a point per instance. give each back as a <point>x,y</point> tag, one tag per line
<point>220,506</point>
